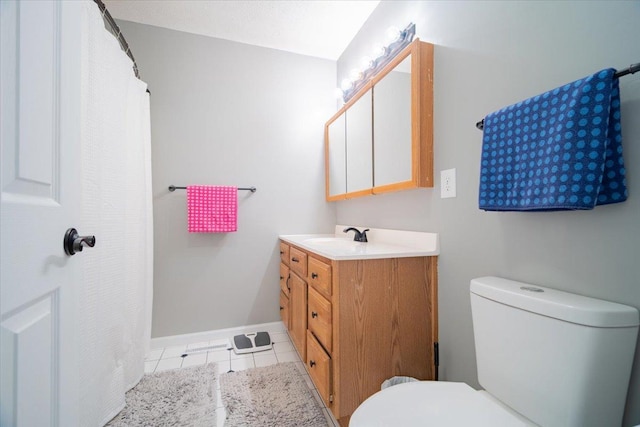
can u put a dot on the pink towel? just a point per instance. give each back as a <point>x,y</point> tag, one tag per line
<point>212,209</point>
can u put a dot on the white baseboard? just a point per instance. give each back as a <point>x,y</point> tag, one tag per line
<point>218,334</point>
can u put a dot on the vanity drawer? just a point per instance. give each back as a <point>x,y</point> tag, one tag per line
<point>298,261</point>
<point>319,368</point>
<point>284,279</point>
<point>284,253</point>
<point>320,276</point>
<point>284,309</point>
<point>319,318</point>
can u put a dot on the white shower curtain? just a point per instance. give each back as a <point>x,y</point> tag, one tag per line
<point>114,306</point>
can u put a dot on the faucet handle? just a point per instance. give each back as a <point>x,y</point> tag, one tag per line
<point>359,236</point>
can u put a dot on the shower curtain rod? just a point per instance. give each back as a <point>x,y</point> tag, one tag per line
<point>633,68</point>
<point>115,30</point>
<point>174,188</point>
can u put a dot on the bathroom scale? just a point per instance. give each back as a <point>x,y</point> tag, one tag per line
<point>252,342</point>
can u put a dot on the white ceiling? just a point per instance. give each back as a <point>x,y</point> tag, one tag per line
<point>308,27</point>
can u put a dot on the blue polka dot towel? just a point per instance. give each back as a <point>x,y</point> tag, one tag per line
<point>558,150</point>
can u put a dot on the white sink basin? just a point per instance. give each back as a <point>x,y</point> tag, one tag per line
<point>382,244</point>
<point>338,241</point>
<point>335,245</point>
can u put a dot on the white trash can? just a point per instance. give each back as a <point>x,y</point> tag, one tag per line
<point>397,380</point>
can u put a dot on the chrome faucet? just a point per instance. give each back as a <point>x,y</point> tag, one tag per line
<point>360,236</point>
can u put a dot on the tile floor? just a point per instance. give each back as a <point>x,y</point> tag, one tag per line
<point>200,353</point>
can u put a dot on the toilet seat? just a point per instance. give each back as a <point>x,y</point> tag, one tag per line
<point>433,403</point>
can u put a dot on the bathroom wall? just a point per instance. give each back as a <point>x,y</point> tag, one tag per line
<point>226,113</point>
<point>489,55</point>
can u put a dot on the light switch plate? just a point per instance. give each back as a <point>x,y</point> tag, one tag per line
<point>447,183</point>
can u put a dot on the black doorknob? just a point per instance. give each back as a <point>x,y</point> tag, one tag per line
<point>73,242</point>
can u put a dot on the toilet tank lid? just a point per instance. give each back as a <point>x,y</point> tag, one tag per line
<point>557,304</point>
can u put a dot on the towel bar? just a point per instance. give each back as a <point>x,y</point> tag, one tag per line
<point>174,188</point>
<point>633,68</point>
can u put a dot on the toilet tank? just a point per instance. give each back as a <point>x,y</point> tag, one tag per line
<point>557,358</point>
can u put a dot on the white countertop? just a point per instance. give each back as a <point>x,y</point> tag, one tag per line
<point>383,243</point>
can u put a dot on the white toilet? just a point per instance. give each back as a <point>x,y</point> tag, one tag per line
<point>545,357</point>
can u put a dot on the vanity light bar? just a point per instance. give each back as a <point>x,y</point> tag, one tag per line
<point>398,40</point>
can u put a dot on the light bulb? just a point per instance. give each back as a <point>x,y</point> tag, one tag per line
<point>355,75</point>
<point>392,35</point>
<point>339,93</point>
<point>346,84</point>
<point>379,51</point>
<point>366,63</point>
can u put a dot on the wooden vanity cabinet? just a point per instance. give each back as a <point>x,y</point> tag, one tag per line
<point>356,323</point>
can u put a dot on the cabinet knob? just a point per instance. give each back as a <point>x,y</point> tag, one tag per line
<point>314,314</point>
<point>281,308</point>
<point>314,276</point>
<point>281,252</point>
<point>312,363</point>
<point>294,259</point>
<point>281,277</point>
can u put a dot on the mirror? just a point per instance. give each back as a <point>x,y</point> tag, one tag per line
<point>359,140</point>
<point>336,153</point>
<point>382,139</point>
<point>392,126</point>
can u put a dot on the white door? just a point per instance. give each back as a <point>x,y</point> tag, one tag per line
<point>40,139</point>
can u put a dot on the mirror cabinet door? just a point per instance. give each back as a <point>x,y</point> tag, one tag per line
<point>359,145</point>
<point>337,157</point>
<point>392,142</point>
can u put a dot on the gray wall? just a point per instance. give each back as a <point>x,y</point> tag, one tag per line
<point>225,113</point>
<point>489,55</point>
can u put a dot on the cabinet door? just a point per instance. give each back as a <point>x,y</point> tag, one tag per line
<point>284,279</point>
<point>360,145</point>
<point>284,309</point>
<point>392,143</point>
<point>403,121</point>
<point>298,314</point>
<point>336,157</point>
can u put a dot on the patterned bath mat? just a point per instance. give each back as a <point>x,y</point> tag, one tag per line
<point>273,396</point>
<point>179,397</point>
